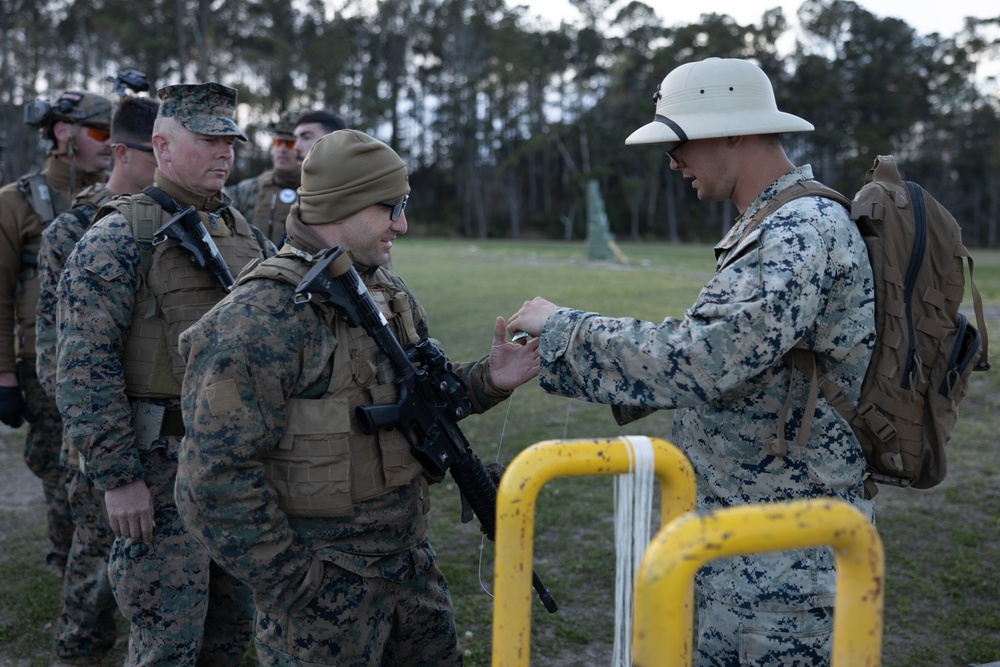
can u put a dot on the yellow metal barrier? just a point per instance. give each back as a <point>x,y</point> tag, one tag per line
<point>515,529</point>
<point>663,617</point>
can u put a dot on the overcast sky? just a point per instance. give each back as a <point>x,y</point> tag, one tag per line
<point>923,15</point>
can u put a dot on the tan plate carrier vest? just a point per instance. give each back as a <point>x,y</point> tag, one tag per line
<point>323,463</point>
<point>174,293</point>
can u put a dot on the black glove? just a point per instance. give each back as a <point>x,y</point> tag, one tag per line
<point>13,410</point>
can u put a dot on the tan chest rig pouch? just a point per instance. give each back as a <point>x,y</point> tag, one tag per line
<point>323,463</point>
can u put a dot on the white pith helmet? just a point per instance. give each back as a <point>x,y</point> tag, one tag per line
<point>716,97</point>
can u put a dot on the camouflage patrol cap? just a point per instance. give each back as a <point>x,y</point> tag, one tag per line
<point>285,123</point>
<point>80,106</point>
<point>203,108</point>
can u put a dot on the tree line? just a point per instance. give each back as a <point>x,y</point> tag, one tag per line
<point>503,121</point>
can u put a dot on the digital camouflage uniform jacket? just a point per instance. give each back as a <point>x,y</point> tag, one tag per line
<point>20,230</point>
<point>58,241</point>
<point>275,349</point>
<point>801,278</point>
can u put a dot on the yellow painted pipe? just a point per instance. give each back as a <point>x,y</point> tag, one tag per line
<point>662,628</point>
<point>516,499</point>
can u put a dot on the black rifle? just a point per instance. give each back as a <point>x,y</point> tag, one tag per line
<point>186,226</point>
<point>431,397</point>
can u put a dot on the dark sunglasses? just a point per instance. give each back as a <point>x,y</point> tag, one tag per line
<point>281,141</point>
<point>135,147</point>
<point>397,207</point>
<point>98,134</point>
<point>673,149</point>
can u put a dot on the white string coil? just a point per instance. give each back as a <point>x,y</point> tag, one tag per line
<point>633,494</point>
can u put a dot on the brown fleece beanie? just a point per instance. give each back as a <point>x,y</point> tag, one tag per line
<point>347,171</point>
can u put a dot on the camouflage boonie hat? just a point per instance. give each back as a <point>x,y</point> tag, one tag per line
<point>79,106</point>
<point>203,108</point>
<point>285,123</point>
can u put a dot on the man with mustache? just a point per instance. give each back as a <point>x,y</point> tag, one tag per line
<point>87,625</point>
<point>125,295</point>
<point>77,126</point>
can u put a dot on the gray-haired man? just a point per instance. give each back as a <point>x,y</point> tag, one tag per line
<point>125,295</point>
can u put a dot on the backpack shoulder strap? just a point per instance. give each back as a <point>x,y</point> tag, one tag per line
<point>794,191</point>
<point>983,363</point>
<point>804,360</point>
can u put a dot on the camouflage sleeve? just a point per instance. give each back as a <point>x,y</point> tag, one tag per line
<point>483,394</point>
<point>243,195</point>
<point>752,311</point>
<point>266,245</point>
<point>244,359</point>
<point>95,298</point>
<point>58,241</point>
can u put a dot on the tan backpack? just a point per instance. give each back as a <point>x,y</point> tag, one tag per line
<point>925,349</point>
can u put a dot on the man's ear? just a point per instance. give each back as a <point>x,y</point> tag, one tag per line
<point>121,153</point>
<point>162,146</point>
<point>62,131</point>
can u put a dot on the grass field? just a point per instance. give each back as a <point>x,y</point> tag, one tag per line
<point>942,545</point>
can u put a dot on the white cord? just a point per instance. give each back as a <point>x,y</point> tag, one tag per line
<point>633,494</point>
<point>482,542</point>
<point>503,429</point>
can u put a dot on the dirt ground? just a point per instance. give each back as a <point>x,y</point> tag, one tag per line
<point>19,489</point>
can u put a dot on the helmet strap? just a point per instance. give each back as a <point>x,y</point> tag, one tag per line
<point>681,135</point>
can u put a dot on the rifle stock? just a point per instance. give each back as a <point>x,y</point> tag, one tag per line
<point>431,397</point>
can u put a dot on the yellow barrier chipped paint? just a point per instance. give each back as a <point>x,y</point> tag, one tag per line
<point>515,529</point>
<point>662,629</point>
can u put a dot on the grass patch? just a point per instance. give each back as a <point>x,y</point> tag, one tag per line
<point>942,545</point>
<point>29,594</point>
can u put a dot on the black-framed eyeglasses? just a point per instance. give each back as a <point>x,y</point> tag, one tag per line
<point>673,149</point>
<point>397,207</point>
<point>138,147</point>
